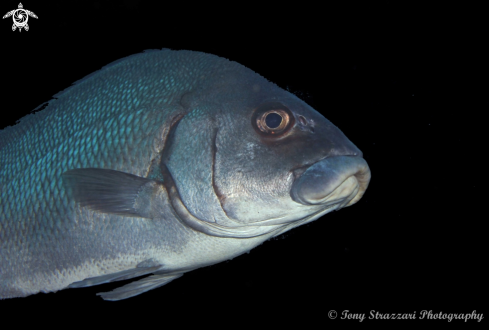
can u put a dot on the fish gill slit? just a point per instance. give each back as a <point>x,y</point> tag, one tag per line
<point>166,135</point>
<point>220,196</point>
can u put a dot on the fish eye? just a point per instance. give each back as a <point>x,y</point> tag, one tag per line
<point>272,119</point>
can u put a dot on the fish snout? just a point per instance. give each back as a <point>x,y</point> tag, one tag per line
<point>333,180</point>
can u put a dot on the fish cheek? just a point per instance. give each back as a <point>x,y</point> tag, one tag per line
<point>251,178</point>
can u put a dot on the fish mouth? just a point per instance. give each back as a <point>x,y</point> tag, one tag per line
<point>333,180</point>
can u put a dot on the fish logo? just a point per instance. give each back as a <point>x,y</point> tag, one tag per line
<point>20,17</point>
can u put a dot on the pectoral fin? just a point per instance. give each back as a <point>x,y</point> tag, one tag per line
<point>138,287</point>
<point>110,191</point>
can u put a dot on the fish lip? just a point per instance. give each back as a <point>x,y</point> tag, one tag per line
<point>353,166</point>
<point>298,170</point>
<point>363,178</point>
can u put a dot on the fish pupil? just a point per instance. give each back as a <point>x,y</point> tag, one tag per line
<point>273,120</point>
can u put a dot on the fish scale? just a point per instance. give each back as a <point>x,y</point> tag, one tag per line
<point>70,126</point>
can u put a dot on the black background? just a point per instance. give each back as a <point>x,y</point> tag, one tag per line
<point>413,243</point>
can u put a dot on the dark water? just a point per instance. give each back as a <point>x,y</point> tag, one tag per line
<point>412,243</point>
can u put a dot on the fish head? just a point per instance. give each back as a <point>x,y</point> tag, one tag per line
<point>249,153</point>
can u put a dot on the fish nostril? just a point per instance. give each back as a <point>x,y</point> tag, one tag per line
<point>302,120</point>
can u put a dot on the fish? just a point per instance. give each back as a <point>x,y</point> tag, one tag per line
<point>161,163</point>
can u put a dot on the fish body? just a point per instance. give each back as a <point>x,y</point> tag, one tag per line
<point>158,164</point>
